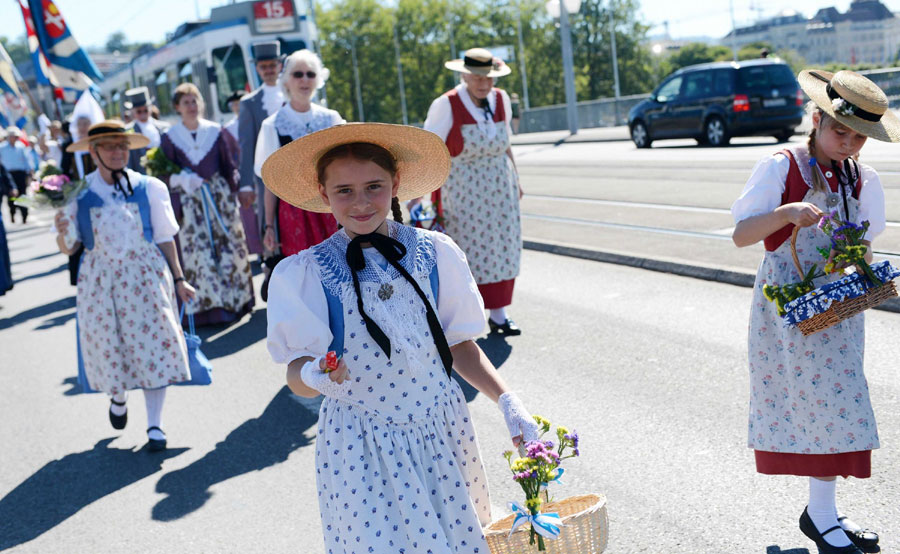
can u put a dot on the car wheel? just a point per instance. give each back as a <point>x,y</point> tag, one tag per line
<point>784,135</point>
<point>639,135</point>
<point>715,132</point>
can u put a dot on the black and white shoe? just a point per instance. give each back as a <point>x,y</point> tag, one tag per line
<point>156,445</point>
<point>865,539</point>
<point>508,328</point>
<point>117,421</point>
<point>812,532</point>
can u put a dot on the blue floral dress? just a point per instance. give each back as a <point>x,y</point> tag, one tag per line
<point>397,462</point>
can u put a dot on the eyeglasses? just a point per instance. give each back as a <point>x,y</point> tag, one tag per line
<point>301,74</point>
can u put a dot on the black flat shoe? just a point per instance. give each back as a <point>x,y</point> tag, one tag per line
<point>118,421</point>
<point>155,445</point>
<point>809,529</point>
<point>508,327</point>
<point>865,539</point>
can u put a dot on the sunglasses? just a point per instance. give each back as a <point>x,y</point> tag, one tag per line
<point>301,74</point>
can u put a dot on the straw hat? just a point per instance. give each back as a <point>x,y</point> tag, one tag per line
<point>111,128</point>
<point>852,100</point>
<point>423,161</point>
<point>479,61</point>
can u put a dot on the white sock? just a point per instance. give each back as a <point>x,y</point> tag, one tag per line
<point>154,399</point>
<point>847,523</point>
<point>117,410</point>
<point>498,315</point>
<point>823,511</point>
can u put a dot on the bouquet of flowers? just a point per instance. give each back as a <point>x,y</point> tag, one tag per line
<point>539,466</point>
<point>157,164</point>
<point>52,190</point>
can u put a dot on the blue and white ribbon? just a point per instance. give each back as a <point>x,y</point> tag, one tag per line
<point>209,205</point>
<point>546,525</point>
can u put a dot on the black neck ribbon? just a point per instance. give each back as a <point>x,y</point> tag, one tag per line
<point>847,178</point>
<point>393,251</point>
<point>117,176</point>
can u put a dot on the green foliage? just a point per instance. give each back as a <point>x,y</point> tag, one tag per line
<point>430,32</point>
<point>698,52</point>
<point>17,49</point>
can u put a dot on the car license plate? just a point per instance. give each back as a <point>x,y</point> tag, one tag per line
<point>774,102</point>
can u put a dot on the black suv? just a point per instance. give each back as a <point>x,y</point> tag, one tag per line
<point>713,102</point>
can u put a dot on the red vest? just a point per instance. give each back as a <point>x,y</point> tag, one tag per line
<point>795,189</point>
<point>462,116</point>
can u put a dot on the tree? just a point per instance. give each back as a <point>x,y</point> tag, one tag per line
<point>17,49</point>
<point>117,42</point>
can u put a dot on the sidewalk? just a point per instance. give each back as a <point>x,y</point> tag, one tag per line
<point>593,134</point>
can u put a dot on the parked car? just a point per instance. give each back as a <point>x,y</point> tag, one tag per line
<point>713,102</point>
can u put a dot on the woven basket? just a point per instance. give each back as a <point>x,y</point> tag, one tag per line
<point>839,311</point>
<point>585,529</point>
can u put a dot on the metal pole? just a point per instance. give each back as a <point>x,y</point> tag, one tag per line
<point>359,104</point>
<point>733,31</point>
<point>615,59</point>
<point>522,55</point>
<point>568,70</point>
<point>400,76</point>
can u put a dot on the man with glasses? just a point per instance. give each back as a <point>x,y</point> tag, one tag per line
<point>140,102</point>
<point>254,108</point>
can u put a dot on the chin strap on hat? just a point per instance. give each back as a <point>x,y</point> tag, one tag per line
<point>117,176</point>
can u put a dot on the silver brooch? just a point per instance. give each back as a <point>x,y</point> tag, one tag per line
<point>385,292</point>
<point>832,200</point>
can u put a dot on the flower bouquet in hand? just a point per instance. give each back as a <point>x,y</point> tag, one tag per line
<point>815,309</point>
<point>51,191</point>
<point>157,164</point>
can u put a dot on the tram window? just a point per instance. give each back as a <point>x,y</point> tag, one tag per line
<point>163,95</point>
<point>186,73</point>
<point>291,46</point>
<point>228,63</point>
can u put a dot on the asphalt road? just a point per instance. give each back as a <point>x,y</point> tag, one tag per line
<point>649,367</point>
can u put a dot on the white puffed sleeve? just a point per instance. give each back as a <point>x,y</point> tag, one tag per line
<point>162,216</point>
<point>336,118</point>
<point>440,117</point>
<point>266,143</point>
<point>297,312</point>
<point>460,307</point>
<point>871,203</point>
<point>763,191</point>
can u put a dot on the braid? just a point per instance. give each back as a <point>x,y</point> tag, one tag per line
<point>395,208</point>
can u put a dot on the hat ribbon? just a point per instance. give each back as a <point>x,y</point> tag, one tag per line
<point>105,130</point>
<point>848,108</point>
<point>472,62</point>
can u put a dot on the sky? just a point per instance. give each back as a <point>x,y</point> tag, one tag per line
<point>92,21</point>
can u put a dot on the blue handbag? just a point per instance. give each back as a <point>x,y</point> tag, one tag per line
<point>201,369</point>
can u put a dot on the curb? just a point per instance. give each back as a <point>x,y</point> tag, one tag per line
<point>737,278</point>
<point>567,140</point>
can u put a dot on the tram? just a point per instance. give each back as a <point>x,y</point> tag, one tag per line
<point>214,54</point>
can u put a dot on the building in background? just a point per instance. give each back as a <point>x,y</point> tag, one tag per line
<point>868,32</point>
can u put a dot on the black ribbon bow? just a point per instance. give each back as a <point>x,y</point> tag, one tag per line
<point>393,251</point>
<point>847,178</point>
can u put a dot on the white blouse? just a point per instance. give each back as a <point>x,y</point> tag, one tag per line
<point>298,311</point>
<point>162,216</point>
<point>763,192</point>
<point>440,115</point>
<point>294,124</point>
<point>273,98</point>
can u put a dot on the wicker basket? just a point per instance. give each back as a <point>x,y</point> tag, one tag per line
<point>839,311</point>
<point>585,529</point>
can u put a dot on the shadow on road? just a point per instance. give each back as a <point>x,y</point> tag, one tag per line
<point>237,337</point>
<point>57,269</point>
<point>73,482</point>
<point>39,311</point>
<point>497,350</point>
<point>777,550</point>
<point>37,258</point>
<point>255,445</point>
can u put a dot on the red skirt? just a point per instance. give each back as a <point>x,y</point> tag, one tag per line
<point>299,229</point>
<point>846,464</point>
<point>497,295</point>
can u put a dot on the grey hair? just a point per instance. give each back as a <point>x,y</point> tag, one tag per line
<point>311,60</point>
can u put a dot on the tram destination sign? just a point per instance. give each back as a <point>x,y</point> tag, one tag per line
<point>274,16</point>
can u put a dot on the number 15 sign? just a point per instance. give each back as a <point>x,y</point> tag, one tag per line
<point>273,16</point>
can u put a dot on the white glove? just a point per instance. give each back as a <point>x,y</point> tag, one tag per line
<point>315,378</point>
<point>518,419</point>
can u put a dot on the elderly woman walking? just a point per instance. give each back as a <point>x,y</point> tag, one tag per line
<point>212,240</point>
<point>295,229</point>
<point>129,335</point>
<point>479,203</point>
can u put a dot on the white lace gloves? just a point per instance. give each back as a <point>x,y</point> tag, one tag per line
<point>186,181</point>
<point>518,419</point>
<point>316,378</point>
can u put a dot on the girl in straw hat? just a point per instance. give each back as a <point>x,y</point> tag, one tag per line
<point>479,203</point>
<point>397,463</point>
<point>810,413</point>
<point>129,336</point>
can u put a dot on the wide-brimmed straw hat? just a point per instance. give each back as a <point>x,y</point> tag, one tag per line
<point>111,128</point>
<point>423,161</point>
<point>479,61</point>
<point>852,100</point>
